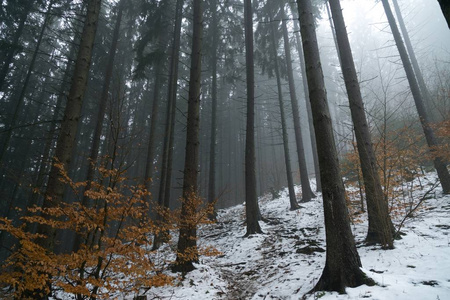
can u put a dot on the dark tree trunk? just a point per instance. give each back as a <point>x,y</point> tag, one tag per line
<point>149,165</point>
<point>66,138</point>
<point>308,109</point>
<point>307,193</point>
<point>212,146</point>
<point>14,45</point>
<point>93,156</point>
<point>432,142</point>
<point>445,7</point>
<point>251,199</point>
<point>187,241</point>
<point>165,180</point>
<point>380,225</point>
<point>50,138</point>
<point>95,149</point>
<point>333,31</point>
<point>23,91</point>
<point>287,157</point>
<point>412,56</point>
<point>166,167</point>
<point>342,266</point>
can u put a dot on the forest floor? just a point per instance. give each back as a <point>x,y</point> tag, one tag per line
<point>287,260</point>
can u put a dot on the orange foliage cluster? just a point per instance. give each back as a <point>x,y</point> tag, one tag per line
<point>196,213</point>
<point>442,131</point>
<point>114,254</point>
<point>401,156</point>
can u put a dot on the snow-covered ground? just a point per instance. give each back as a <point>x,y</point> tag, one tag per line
<point>287,260</point>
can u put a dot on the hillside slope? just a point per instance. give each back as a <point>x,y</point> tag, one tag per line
<point>287,260</point>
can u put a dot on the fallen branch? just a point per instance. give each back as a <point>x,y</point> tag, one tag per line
<point>409,214</point>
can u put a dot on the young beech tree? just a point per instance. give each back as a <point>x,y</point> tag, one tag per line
<point>380,225</point>
<point>342,266</point>
<point>187,241</point>
<point>251,199</point>
<point>432,141</point>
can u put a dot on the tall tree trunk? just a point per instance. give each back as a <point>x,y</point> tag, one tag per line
<point>149,165</point>
<point>445,7</point>
<point>14,45</point>
<point>66,138</point>
<point>308,109</point>
<point>187,241</point>
<point>50,137</point>
<point>95,148</point>
<point>380,224</point>
<point>93,156</point>
<point>171,101</point>
<point>287,157</point>
<point>307,193</point>
<point>412,56</point>
<point>212,146</point>
<point>166,166</point>
<point>432,142</point>
<point>342,266</point>
<point>333,31</point>
<point>23,91</point>
<point>251,199</point>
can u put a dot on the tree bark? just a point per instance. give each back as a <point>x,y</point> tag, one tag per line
<point>287,157</point>
<point>213,140</point>
<point>171,101</point>
<point>342,266</point>
<point>166,166</point>
<point>439,164</point>
<point>308,109</point>
<point>93,156</point>
<point>380,224</point>
<point>412,56</point>
<point>445,7</point>
<point>187,241</point>
<point>307,193</point>
<point>66,138</point>
<point>251,199</point>
<point>51,135</point>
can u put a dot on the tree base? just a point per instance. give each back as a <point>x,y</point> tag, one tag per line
<point>374,238</point>
<point>305,200</point>
<point>183,267</point>
<point>294,206</point>
<point>349,277</point>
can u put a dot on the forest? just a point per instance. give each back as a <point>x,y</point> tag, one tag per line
<point>224,149</point>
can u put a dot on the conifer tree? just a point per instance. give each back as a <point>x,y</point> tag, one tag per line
<point>432,141</point>
<point>251,198</point>
<point>187,242</point>
<point>380,225</point>
<point>66,139</point>
<point>342,265</point>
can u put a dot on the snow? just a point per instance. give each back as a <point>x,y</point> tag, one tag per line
<point>270,265</point>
